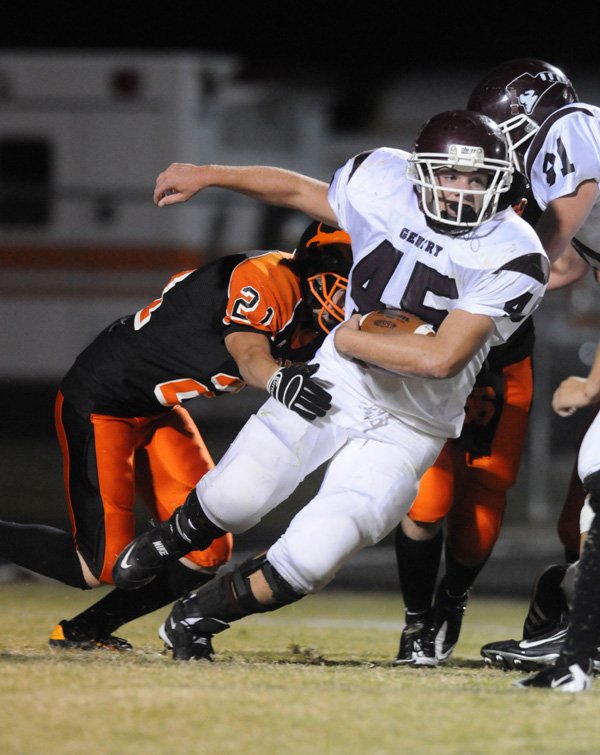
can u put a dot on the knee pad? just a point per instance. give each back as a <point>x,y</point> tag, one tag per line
<point>591,484</point>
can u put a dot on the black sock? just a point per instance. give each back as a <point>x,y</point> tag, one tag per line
<point>458,578</point>
<point>121,606</point>
<point>44,550</point>
<point>418,562</point>
<point>583,633</point>
<point>191,522</point>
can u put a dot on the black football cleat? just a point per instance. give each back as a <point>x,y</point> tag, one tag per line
<point>66,636</point>
<point>559,677</point>
<point>525,655</point>
<point>185,645</point>
<point>188,634</point>
<point>417,641</point>
<point>529,655</point>
<point>448,613</point>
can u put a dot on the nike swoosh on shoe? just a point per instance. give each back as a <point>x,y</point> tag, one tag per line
<point>124,561</point>
<point>545,640</point>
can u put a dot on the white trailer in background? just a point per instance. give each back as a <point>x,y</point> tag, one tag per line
<point>82,139</point>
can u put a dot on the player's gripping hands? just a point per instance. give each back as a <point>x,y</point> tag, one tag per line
<point>294,386</point>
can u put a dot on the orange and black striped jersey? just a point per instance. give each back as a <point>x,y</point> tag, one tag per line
<point>173,349</point>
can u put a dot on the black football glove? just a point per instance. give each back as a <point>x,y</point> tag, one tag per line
<point>295,388</point>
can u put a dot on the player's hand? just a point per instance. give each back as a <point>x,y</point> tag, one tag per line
<point>179,182</point>
<point>296,389</point>
<point>570,396</point>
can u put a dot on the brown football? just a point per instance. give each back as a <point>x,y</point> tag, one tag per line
<point>395,321</point>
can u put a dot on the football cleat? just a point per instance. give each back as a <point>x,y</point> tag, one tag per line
<point>548,606</point>
<point>562,678</point>
<point>188,634</point>
<point>185,645</point>
<point>448,613</point>
<point>66,637</point>
<point>531,654</point>
<point>525,655</point>
<point>147,556</point>
<point>417,641</point>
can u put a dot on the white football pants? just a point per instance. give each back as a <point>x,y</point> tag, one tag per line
<point>588,460</point>
<point>371,482</point>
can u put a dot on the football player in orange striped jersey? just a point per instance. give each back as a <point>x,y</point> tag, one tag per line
<point>239,320</point>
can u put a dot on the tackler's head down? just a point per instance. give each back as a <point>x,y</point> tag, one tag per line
<point>323,259</point>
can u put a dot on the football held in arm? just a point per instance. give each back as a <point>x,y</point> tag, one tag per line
<point>395,321</point>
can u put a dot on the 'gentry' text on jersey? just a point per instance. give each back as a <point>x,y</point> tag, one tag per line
<point>499,270</point>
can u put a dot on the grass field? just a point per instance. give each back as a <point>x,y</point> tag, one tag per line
<point>314,677</point>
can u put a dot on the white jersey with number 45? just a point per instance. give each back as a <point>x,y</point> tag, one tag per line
<point>498,269</point>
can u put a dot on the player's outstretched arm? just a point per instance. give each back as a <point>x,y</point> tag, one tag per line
<point>276,186</point>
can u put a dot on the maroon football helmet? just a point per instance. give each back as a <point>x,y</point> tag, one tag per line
<point>519,95</point>
<point>461,141</point>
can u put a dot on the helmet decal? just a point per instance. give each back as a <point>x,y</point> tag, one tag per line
<point>319,235</point>
<point>527,89</point>
<point>519,95</point>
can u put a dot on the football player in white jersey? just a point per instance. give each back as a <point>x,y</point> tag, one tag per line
<point>557,140</point>
<point>432,233</point>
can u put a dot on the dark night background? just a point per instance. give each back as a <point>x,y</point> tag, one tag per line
<point>367,42</point>
<point>357,50</point>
